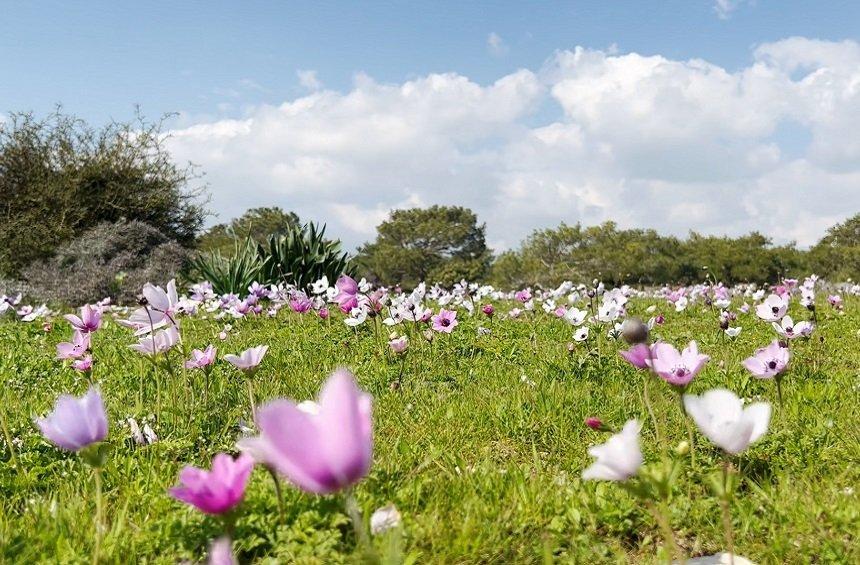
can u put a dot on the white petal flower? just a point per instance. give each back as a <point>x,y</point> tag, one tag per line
<point>619,458</point>
<point>721,417</point>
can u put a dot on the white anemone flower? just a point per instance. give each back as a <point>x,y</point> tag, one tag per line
<point>722,418</point>
<point>619,458</point>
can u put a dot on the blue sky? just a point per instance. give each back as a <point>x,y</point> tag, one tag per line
<point>99,59</point>
<point>720,116</point>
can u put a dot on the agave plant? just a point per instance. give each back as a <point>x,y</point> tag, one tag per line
<point>302,256</point>
<point>229,274</point>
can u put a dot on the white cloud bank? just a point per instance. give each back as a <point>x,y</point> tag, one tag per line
<point>645,141</point>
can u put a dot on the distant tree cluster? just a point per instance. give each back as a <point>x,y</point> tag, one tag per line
<point>257,224</point>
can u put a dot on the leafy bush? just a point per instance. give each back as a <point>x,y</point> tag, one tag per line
<point>257,224</point>
<point>59,178</point>
<point>111,259</point>
<point>300,256</point>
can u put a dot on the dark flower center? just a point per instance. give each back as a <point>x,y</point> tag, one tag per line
<point>446,322</point>
<point>771,364</point>
<point>775,310</point>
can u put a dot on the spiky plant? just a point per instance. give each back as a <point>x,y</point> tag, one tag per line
<point>302,256</point>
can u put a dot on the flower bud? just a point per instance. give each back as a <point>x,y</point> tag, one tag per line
<point>634,331</point>
<point>682,448</point>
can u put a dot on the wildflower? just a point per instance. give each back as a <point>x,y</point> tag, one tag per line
<point>89,321</point>
<point>249,359</point>
<point>76,348</point>
<point>788,329</point>
<point>320,452</point>
<point>201,359</point>
<point>399,344</point>
<point>161,341</point>
<point>723,419</point>
<point>768,362</point>
<point>733,331</point>
<point>445,321</point>
<point>300,303</point>
<point>619,458</point>
<point>638,355</point>
<point>488,310</point>
<point>84,365</point>
<point>216,491</point>
<point>384,519</point>
<point>773,308</point>
<point>347,293</point>
<point>581,334</point>
<point>575,316</point>
<point>75,423</point>
<point>676,368</point>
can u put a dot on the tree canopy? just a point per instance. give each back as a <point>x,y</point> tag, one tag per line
<point>437,244</point>
<point>257,224</point>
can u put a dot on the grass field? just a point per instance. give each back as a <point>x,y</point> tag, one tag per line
<point>481,448</point>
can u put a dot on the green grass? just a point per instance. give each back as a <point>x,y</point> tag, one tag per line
<point>481,449</point>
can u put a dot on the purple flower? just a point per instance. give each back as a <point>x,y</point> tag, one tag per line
<point>445,321</point>
<point>321,450</point>
<point>75,422</point>
<point>638,355</point>
<point>299,302</point>
<point>216,491</point>
<point>200,359</point>
<point>84,365</point>
<point>488,310</point>
<point>249,359</point>
<point>89,321</point>
<point>76,348</point>
<point>677,369</point>
<point>769,361</point>
<point>347,291</point>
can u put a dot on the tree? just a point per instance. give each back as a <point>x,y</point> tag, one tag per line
<point>257,224</point>
<point>59,177</point>
<point>837,255</point>
<point>438,244</point>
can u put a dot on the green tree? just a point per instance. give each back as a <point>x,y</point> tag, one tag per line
<point>257,224</point>
<point>59,177</point>
<point>837,255</point>
<point>438,244</point>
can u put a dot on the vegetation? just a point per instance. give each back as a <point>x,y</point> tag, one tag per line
<point>644,257</point>
<point>256,224</point>
<point>480,448</point>
<point>108,260</point>
<point>439,244</point>
<point>299,257</point>
<point>60,177</point>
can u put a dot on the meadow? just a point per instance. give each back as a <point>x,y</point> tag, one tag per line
<point>479,438</point>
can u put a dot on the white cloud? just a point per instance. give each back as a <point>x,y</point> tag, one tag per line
<point>496,44</point>
<point>309,80</point>
<point>725,8</point>
<point>645,141</point>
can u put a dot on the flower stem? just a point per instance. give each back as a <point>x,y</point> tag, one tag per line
<point>660,516</point>
<point>354,513</point>
<point>279,493</point>
<point>97,475</point>
<point>646,397</point>
<point>690,437</point>
<point>726,511</point>
<point>251,399</point>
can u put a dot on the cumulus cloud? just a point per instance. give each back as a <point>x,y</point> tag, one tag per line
<point>646,141</point>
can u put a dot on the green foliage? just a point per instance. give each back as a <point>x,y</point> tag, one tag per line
<point>300,256</point>
<point>257,224</point>
<point>437,244</point>
<point>113,260</point>
<point>59,178</point>
<point>837,255</point>
<point>228,274</point>
<point>637,256</point>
